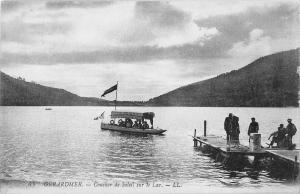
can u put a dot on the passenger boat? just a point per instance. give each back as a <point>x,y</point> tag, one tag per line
<point>131,122</point>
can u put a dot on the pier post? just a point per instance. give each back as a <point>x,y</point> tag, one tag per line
<point>194,139</point>
<point>295,169</point>
<point>228,143</point>
<point>204,128</point>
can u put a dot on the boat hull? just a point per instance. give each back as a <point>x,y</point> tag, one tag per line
<point>110,127</point>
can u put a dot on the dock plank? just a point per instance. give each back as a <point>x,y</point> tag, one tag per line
<point>220,143</point>
<point>214,141</point>
<point>286,154</point>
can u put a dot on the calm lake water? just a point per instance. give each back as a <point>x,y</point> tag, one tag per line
<point>67,144</point>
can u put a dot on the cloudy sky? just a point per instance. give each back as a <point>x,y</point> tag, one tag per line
<point>86,46</point>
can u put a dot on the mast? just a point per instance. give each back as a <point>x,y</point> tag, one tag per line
<point>116,96</point>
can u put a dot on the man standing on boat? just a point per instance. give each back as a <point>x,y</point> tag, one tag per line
<point>228,125</point>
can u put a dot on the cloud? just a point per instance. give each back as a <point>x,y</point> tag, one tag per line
<point>153,47</point>
<point>159,24</point>
<point>169,26</point>
<point>62,4</point>
<point>141,24</point>
<point>109,55</point>
<point>46,30</point>
<point>161,14</point>
<point>146,31</point>
<point>7,6</point>
<point>282,20</point>
<point>25,32</point>
<point>256,45</point>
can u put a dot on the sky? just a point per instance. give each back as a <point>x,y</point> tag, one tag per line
<point>149,47</point>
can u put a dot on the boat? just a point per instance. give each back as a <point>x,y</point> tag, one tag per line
<point>48,108</point>
<point>126,124</point>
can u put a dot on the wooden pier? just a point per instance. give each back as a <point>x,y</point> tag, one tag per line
<point>221,147</point>
<point>221,144</point>
<point>286,155</point>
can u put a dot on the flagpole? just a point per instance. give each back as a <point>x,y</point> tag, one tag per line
<point>116,96</point>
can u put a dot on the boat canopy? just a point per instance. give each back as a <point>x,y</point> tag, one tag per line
<point>132,115</point>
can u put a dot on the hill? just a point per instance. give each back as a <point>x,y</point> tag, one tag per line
<point>18,92</point>
<point>270,81</point>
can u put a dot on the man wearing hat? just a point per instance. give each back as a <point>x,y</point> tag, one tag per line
<point>290,131</point>
<point>253,127</point>
<point>278,137</point>
<point>228,125</point>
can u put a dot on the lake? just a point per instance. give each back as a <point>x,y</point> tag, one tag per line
<point>65,143</point>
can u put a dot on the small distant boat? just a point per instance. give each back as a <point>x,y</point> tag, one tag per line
<point>126,124</point>
<point>48,108</point>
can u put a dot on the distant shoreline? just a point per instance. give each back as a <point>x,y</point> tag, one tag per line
<point>149,106</point>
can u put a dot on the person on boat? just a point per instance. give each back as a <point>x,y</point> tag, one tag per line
<point>290,132</point>
<point>145,125</point>
<point>128,123</point>
<point>228,125</point>
<point>253,127</point>
<point>121,123</point>
<point>278,137</point>
<point>112,122</point>
<point>135,125</point>
<point>235,130</point>
<point>140,125</point>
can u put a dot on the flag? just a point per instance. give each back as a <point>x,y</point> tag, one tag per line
<point>101,116</point>
<point>115,87</point>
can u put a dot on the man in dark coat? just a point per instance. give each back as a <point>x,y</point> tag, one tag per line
<point>290,131</point>
<point>228,125</point>
<point>235,131</point>
<point>253,127</point>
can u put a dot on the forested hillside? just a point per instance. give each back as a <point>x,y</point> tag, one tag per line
<point>270,81</point>
<point>18,92</point>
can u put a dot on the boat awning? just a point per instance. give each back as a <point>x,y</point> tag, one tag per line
<point>132,115</point>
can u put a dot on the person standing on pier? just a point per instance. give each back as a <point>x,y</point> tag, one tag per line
<point>228,125</point>
<point>290,132</point>
<point>235,131</point>
<point>253,127</point>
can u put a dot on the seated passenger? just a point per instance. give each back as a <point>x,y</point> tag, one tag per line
<point>145,125</point>
<point>140,126</point>
<point>135,125</point>
<point>112,122</point>
<point>130,122</point>
<point>121,123</point>
<point>278,137</point>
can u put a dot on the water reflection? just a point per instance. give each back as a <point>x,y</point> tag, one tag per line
<point>66,143</point>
